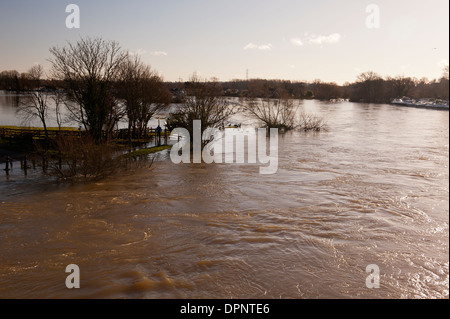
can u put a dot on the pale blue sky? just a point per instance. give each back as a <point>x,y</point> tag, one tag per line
<point>225,38</point>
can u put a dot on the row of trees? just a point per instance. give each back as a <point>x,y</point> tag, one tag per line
<point>368,87</point>
<point>371,87</point>
<point>101,84</point>
<point>19,82</point>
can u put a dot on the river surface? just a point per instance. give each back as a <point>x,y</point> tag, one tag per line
<point>372,190</point>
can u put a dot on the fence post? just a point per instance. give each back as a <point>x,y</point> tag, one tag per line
<point>44,164</point>
<point>25,165</point>
<point>7,164</point>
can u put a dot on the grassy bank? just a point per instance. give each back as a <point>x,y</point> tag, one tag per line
<point>71,129</point>
<point>147,151</point>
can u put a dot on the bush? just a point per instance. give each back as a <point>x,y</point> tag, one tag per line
<point>273,113</point>
<point>310,122</point>
<point>83,158</point>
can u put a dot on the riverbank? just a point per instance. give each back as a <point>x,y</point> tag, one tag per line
<point>439,108</point>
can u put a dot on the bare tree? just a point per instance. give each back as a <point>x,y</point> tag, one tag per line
<point>445,75</point>
<point>143,92</point>
<point>273,113</point>
<point>369,87</point>
<point>325,90</point>
<point>203,102</point>
<point>10,80</point>
<point>444,84</point>
<point>58,99</point>
<point>83,158</point>
<point>35,102</point>
<point>401,85</point>
<point>310,122</point>
<point>89,68</point>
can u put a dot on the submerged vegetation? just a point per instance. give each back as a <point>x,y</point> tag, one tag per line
<point>273,113</point>
<point>309,122</point>
<point>147,151</point>
<point>83,158</point>
<point>282,114</point>
<point>203,102</point>
<point>69,155</point>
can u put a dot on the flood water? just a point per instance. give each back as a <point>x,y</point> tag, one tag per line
<point>373,189</point>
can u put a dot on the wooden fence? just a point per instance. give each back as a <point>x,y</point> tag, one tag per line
<point>18,133</point>
<point>11,134</point>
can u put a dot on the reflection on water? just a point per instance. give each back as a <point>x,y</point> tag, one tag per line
<point>372,190</point>
<point>9,116</point>
<point>8,106</point>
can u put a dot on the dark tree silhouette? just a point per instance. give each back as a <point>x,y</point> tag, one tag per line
<point>89,69</point>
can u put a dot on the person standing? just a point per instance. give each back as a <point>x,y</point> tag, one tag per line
<point>158,132</point>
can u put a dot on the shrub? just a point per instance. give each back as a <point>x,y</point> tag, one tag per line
<point>311,122</point>
<point>83,158</point>
<point>273,113</point>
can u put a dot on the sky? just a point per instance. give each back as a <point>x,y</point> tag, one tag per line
<point>296,40</point>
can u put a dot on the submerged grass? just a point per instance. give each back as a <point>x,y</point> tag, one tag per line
<point>147,151</point>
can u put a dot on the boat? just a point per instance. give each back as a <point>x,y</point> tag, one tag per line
<point>422,103</point>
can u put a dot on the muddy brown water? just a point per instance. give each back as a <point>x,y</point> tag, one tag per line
<point>372,190</point>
